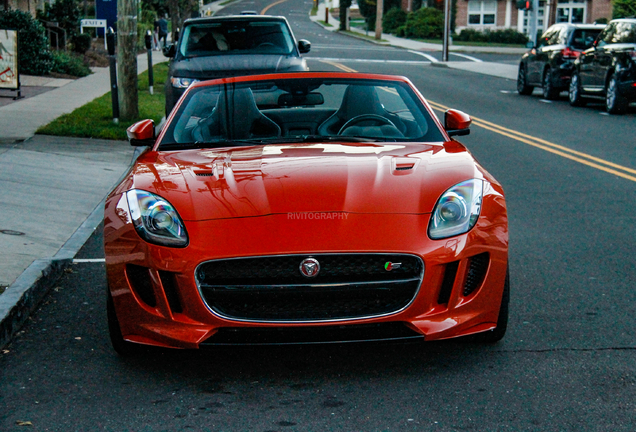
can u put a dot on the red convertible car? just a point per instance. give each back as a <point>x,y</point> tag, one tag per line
<point>305,208</point>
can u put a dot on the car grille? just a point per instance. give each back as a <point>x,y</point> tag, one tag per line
<point>273,289</point>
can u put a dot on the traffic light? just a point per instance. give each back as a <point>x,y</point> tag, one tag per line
<point>524,4</point>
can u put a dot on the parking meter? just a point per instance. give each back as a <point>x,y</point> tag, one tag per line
<point>148,40</point>
<point>110,41</point>
<point>112,62</point>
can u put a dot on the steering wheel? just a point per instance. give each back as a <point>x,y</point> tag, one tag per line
<point>266,45</point>
<point>378,119</point>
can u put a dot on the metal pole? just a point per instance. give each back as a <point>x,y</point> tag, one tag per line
<point>446,30</point>
<point>114,92</point>
<point>532,22</point>
<point>148,42</point>
<point>112,62</point>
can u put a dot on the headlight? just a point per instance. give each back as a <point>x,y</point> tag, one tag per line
<point>155,220</point>
<point>182,82</point>
<point>457,210</point>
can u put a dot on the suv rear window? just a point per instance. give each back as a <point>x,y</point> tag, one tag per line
<point>239,37</point>
<point>583,38</point>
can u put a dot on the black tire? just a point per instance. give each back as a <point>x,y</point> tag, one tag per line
<point>549,91</point>
<point>574,93</point>
<point>121,346</point>
<point>496,334</point>
<point>615,103</point>
<point>522,82</point>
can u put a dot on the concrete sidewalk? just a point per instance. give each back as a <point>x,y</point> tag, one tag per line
<point>51,191</point>
<point>487,68</point>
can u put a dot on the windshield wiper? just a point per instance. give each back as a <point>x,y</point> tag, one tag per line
<point>341,138</point>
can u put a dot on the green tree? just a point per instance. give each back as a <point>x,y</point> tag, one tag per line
<point>66,13</point>
<point>624,9</point>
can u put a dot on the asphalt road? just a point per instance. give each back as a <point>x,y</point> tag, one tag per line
<point>567,363</point>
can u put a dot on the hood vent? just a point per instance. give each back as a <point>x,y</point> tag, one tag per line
<point>403,165</point>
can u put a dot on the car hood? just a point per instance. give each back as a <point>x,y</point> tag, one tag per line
<point>304,178</point>
<point>210,67</point>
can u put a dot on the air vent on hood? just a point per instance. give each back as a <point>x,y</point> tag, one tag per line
<point>403,165</point>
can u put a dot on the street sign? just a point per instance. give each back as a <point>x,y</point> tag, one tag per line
<point>99,23</point>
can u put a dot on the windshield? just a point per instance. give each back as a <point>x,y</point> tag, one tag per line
<point>236,37</point>
<point>299,109</point>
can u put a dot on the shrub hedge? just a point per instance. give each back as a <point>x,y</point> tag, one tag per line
<point>507,36</point>
<point>393,20</point>
<point>34,56</point>
<point>425,23</point>
<point>69,64</point>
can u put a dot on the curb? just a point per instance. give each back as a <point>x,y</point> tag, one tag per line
<point>25,294</point>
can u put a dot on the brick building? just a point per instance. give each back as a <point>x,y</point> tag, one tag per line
<point>502,14</point>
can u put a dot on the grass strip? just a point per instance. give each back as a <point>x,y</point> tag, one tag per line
<point>95,119</point>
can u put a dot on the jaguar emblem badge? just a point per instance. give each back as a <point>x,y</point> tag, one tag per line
<point>310,267</point>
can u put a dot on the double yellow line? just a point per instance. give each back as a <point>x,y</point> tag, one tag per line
<point>577,156</point>
<point>264,11</point>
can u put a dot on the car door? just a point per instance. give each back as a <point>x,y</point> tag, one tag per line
<point>599,61</point>
<point>539,56</point>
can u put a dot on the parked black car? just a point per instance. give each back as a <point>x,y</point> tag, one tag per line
<point>549,65</point>
<point>219,47</point>
<point>608,69</point>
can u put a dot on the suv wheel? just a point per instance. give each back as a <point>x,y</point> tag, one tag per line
<point>574,94</point>
<point>549,92</point>
<point>615,103</point>
<point>522,87</point>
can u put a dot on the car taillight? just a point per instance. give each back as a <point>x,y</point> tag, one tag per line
<point>569,53</point>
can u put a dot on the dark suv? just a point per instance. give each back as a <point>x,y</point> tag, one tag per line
<point>608,69</point>
<point>227,46</point>
<point>549,65</point>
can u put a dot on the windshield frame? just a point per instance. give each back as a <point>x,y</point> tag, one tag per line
<point>433,133</point>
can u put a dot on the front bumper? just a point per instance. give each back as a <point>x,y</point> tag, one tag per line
<point>158,299</point>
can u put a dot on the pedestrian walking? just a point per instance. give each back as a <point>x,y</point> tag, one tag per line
<point>161,27</point>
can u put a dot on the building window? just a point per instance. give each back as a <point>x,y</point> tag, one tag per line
<point>482,12</point>
<point>571,11</point>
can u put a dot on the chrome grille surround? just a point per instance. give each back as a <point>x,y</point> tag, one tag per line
<point>271,289</point>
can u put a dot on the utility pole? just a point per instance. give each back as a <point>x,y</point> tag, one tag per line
<point>378,19</point>
<point>127,58</point>
<point>445,38</point>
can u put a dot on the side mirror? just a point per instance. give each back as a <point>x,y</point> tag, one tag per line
<point>170,50</point>
<point>456,123</point>
<point>304,46</point>
<point>142,133</point>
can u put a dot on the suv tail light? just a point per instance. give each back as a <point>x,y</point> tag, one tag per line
<point>569,53</point>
